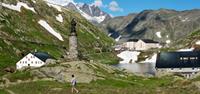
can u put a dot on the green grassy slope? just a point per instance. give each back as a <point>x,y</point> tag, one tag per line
<point>187,42</point>
<point>130,85</point>
<point>20,33</point>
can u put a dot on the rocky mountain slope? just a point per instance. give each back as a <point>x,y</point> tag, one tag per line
<point>35,25</point>
<point>90,12</point>
<point>162,25</point>
<point>112,26</point>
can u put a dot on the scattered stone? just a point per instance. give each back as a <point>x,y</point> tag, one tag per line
<point>50,61</point>
<point>10,69</point>
<point>85,72</point>
<point>57,89</point>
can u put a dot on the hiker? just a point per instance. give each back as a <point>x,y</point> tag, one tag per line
<point>73,83</point>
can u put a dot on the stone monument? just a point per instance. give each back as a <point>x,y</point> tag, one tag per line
<point>73,52</point>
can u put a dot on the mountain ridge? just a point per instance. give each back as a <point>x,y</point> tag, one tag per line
<point>91,12</point>
<point>171,24</point>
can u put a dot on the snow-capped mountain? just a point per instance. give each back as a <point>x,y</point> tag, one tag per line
<point>90,12</point>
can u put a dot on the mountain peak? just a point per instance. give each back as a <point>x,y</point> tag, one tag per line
<point>91,12</point>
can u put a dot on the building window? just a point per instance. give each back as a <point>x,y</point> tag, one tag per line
<point>192,58</point>
<point>180,68</point>
<point>185,58</point>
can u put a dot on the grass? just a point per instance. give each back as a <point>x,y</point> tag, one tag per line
<point>104,57</point>
<point>130,85</point>
<point>25,75</point>
<point>3,92</point>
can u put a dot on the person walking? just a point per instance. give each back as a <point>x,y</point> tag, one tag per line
<point>73,83</point>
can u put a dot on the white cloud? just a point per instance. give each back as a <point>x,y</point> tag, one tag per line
<point>114,6</point>
<point>98,3</point>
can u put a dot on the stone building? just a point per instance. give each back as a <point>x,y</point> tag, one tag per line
<point>140,44</point>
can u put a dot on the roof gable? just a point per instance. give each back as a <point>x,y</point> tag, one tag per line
<point>28,57</point>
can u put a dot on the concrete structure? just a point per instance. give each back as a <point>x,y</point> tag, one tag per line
<point>184,63</point>
<point>73,52</point>
<point>140,44</point>
<point>36,59</point>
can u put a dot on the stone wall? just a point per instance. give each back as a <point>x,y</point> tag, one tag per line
<point>73,52</point>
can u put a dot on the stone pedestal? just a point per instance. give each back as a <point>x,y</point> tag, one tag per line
<point>73,52</point>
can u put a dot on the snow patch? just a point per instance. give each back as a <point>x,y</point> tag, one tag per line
<point>99,19</point>
<point>18,6</point>
<point>90,18</point>
<point>109,34</point>
<point>60,2</point>
<point>168,41</point>
<point>151,60</point>
<point>184,20</point>
<point>128,56</point>
<point>158,34</point>
<point>117,39</point>
<point>33,1</point>
<point>185,50</point>
<point>198,42</point>
<point>55,6</point>
<point>167,36</point>
<point>90,10</point>
<point>59,18</point>
<point>50,29</point>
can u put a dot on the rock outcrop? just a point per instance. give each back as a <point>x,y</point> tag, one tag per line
<point>85,72</point>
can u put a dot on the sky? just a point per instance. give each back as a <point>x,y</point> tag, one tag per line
<point>125,7</point>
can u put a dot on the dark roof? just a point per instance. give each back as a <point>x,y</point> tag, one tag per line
<point>134,40</point>
<point>173,60</point>
<point>144,40</point>
<point>43,56</point>
<point>149,41</point>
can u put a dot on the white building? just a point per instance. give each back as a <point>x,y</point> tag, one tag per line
<point>141,44</point>
<point>36,59</point>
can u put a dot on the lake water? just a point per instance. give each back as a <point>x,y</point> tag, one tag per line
<point>140,68</point>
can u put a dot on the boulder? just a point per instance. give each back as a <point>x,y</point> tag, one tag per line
<point>85,72</point>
